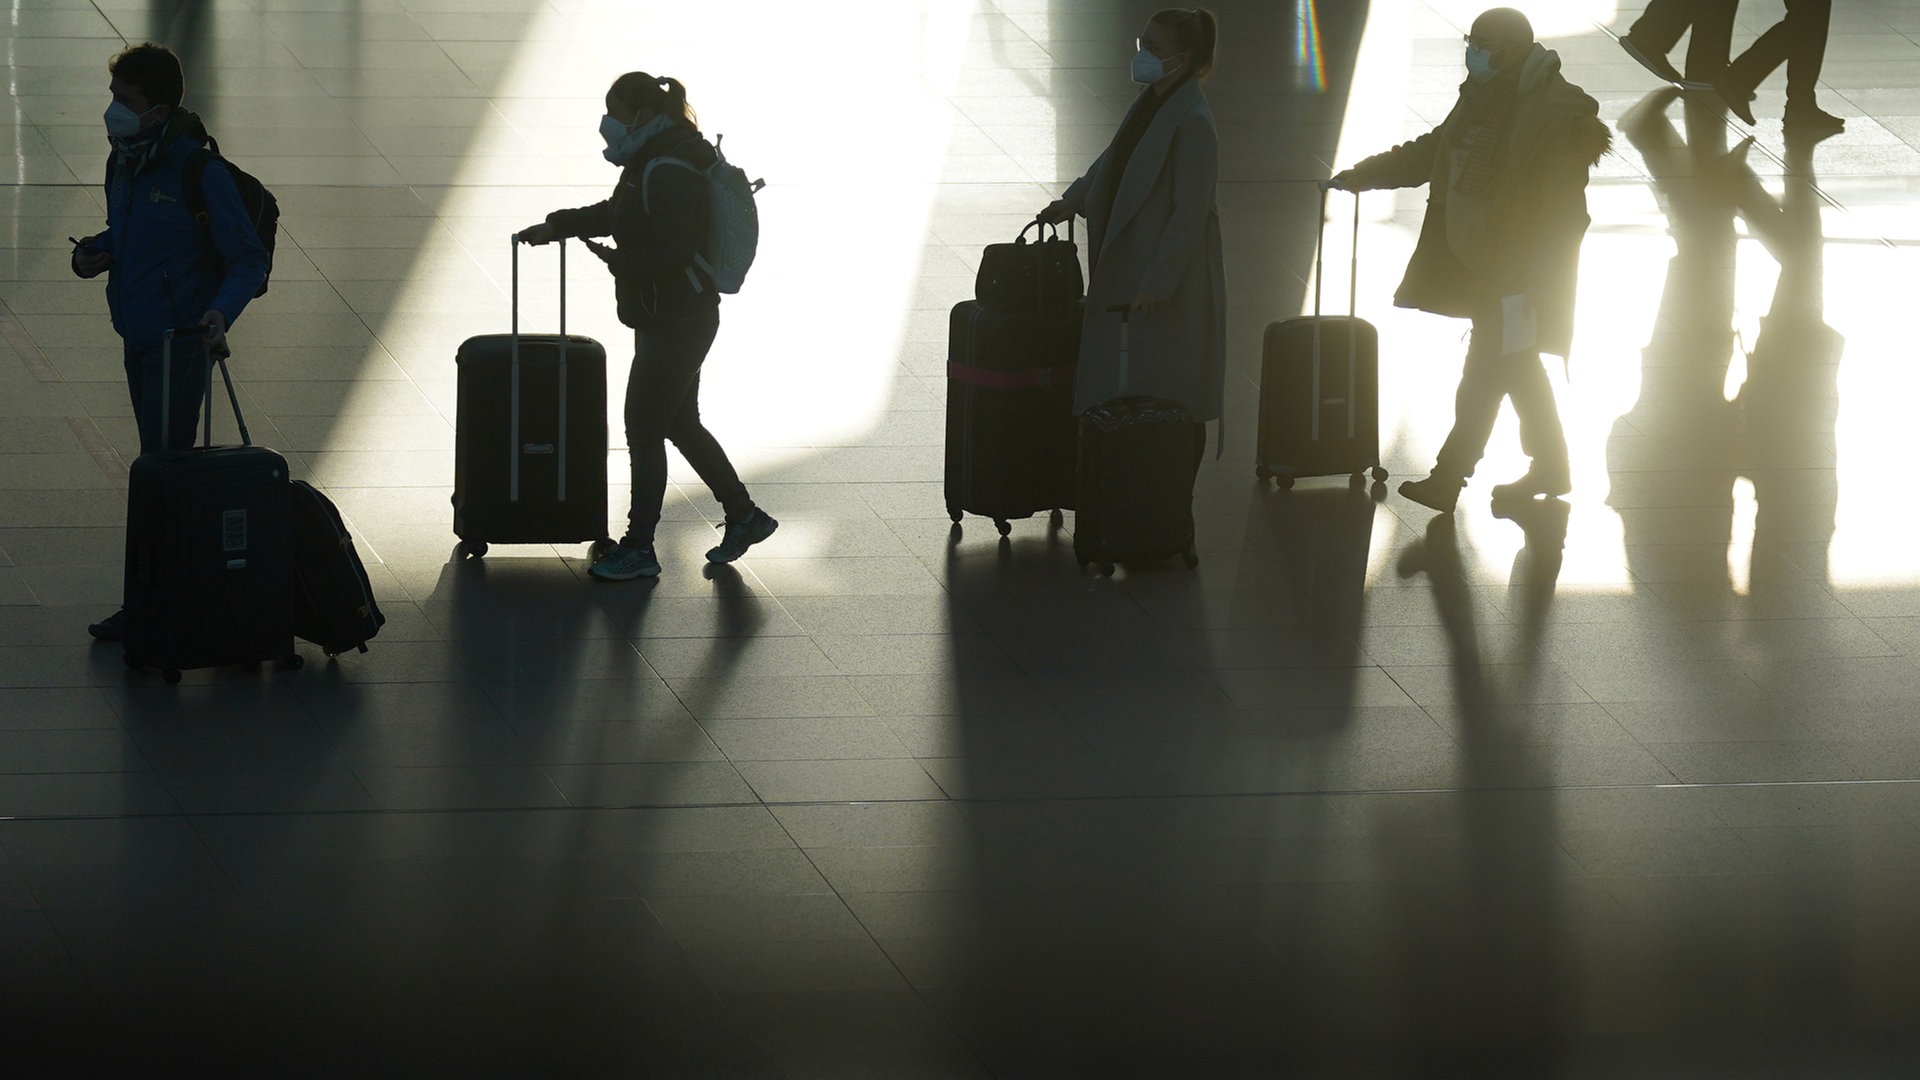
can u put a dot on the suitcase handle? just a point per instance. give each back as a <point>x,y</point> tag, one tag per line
<point>197,330</point>
<point>1353,269</point>
<point>513,395</point>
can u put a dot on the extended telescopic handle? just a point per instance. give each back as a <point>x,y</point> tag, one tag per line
<point>1353,268</point>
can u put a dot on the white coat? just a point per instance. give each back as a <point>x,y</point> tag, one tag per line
<point>1160,235</point>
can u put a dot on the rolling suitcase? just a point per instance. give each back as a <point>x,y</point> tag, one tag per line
<point>333,604</point>
<point>1010,432</point>
<point>209,569</point>
<point>530,435</point>
<point>1320,387</point>
<point>1011,353</point>
<point>1135,469</point>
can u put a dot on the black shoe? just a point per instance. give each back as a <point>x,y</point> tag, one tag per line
<point>1539,480</point>
<point>1436,492</point>
<point>1739,101</point>
<point>111,628</point>
<point>1652,60</point>
<point>1812,121</point>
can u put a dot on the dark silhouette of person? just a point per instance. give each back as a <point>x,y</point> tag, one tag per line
<point>1654,34</point>
<point>1506,213</point>
<point>658,218</point>
<point>1799,40</point>
<point>164,268</point>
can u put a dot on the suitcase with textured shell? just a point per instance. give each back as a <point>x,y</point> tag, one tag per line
<point>209,567</point>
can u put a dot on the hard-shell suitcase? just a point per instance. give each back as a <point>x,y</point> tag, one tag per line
<point>333,600</point>
<point>1320,387</point>
<point>530,435</point>
<point>1010,430</point>
<point>209,569</point>
<point>1135,470</point>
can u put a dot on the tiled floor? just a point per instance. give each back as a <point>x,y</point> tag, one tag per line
<point>1630,787</point>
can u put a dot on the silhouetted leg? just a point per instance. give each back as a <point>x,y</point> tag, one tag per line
<point>666,369</point>
<point>1541,435</point>
<point>706,455</point>
<point>1769,51</point>
<point>1476,403</point>
<point>1806,23</point>
<point>1660,26</point>
<point>142,363</point>
<point>1712,41</point>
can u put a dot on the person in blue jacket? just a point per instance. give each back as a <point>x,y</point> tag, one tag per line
<point>165,270</point>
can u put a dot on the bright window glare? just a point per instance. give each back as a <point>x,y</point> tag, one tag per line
<point>808,350</point>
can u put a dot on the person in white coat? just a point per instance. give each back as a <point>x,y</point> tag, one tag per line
<point>1153,232</point>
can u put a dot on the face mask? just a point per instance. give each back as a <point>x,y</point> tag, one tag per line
<point>1479,64</point>
<point>1148,68</point>
<point>621,149</point>
<point>123,122</point>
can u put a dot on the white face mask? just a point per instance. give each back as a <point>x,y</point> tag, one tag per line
<point>123,122</point>
<point>1148,68</point>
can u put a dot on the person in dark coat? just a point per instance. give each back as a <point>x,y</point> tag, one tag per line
<point>165,269</point>
<point>658,217</point>
<point>1799,41</point>
<point>1153,231</point>
<point>1506,211</point>
<point>1658,30</point>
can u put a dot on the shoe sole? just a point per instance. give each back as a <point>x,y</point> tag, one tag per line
<point>598,575</point>
<point>1659,69</point>
<point>1422,502</point>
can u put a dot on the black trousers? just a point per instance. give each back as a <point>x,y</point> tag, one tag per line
<point>1798,41</point>
<point>189,385</point>
<point>1661,25</point>
<point>663,402</point>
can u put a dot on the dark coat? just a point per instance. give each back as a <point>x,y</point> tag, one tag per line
<point>655,236</point>
<point>1158,232</point>
<point>169,269</point>
<point>1524,236</point>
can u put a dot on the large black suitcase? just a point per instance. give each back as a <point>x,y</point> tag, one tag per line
<point>333,600</point>
<point>209,568</point>
<point>1134,477</point>
<point>1010,431</point>
<point>530,435</point>
<point>1320,387</point>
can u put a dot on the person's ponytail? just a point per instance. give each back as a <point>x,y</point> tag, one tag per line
<point>639,90</point>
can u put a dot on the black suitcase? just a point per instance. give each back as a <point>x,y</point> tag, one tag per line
<point>333,604</point>
<point>530,435</point>
<point>1135,470</point>
<point>1320,388</point>
<point>209,570</point>
<point>1010,430</point>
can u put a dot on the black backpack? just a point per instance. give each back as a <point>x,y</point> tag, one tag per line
<point>263,210</point>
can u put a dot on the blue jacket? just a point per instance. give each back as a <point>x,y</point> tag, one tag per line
<point>169,269</point>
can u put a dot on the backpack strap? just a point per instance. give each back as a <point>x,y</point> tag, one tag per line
<point>699,257</point>
<point>193,183</point>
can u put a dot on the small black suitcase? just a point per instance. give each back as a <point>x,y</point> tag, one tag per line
<point>1320,388</point>
<point>530,435</point>
<point>1010,430</point>
<point>333,600</point>
<point>209,569</point>
<point>1135,470</point>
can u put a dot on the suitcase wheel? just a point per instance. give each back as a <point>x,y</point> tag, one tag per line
<point>293,662</point>
<point>1379,475</point>
<point>1190,559</point>
<point>472,549</point>
<point>171,675</point>
<point>1056,519</point>
<point>1284,483</point>
<point>1003,525</point>
<point>1106,569</point>
<point>1263,472</point>
<point>954,514</point>
<point>600,547</point>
